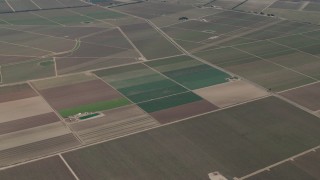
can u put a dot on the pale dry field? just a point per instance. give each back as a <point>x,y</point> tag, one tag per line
<point>31,135</point>
<point>117,122</point>
<point>230,93</point>
<point>18,109</point>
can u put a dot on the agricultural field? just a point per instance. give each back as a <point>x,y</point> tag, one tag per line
<point>79,95</point>
<point>303,167</point>
<point>159,89</point>
<point>51,168</point>
<point>29,125</point>
<point>189,72</point>
<point>306,96</point>
<point>193,148</point>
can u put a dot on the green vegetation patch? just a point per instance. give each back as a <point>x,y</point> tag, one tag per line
<point>297,41</point>
<point>147,91</point>
<point>89,116</point>
<point>98,106</point>
<point>170,101</point>
<point>198,77</point>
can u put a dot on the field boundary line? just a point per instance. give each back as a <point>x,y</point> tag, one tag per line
<point>55,66</point>
<point>279,92</point>
<point>1,77</point>
<point>68,166</point>
<point>132,44</point>
<point>10,6</point>
<point>25,46</point>
<point>279,163</point>
<point>35,4</point>
<point>304,5</point>
<point>268,5</point>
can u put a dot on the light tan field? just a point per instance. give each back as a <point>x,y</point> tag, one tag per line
<point>231,93</point>
<point>31,135</point>
<point>18,109</point>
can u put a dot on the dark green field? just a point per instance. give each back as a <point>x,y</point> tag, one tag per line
<point>140,83</point>
<point>235,142</point>
<point>189,72</point>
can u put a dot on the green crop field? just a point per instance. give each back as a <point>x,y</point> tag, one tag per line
<point>189,72</point>
<point>139,83</point>
<point>98,106</point>
<point>168,102</point>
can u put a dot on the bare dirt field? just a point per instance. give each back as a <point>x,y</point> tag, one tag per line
<point>230,93</point>
<point>23,108</point>
<point>31,135</point>
<point>183,111</point>
<point>51,168</point>
<point>13,59</point>
<point>79,94</point>
<point>11,93</point>
<point>26,123</point>
<point>115,123</point>
<point>307,96</point>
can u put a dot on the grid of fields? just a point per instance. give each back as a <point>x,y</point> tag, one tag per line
<point>163,98</point>
<point>28,126</point>
<point>193,148</point>
<point>156,89</point>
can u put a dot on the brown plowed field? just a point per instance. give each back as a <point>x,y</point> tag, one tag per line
<point>12,93</point>
<point>307,96</point>
<point>79,94</point>
<point>29,122</point>
<point>183,111</point>
<point>51,168</point>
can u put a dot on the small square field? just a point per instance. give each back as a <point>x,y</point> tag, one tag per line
<point>307,96</point>
<point>80,93</point>
<point>189,72</point>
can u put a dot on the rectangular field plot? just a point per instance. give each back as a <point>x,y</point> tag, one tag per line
<point>193,148</point>
<point>189,72</point>
<point>153,9</point>
<point>16,92</point>
<point>118,122</point>
<point>27,71</point>
<point>23,5</point>
<point>64,17</point>
<point>52,168</point>
<point>149,42</point>
<point>80,96</point>
<point>231,93</point>
<point>176,107</point>
<point>303,167</point>
<point>96,12</point>
<point>25,18</point>
<point>139,83</point>
<point>307,96</point>
<point>260,71</point>
<point>297,41</point>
